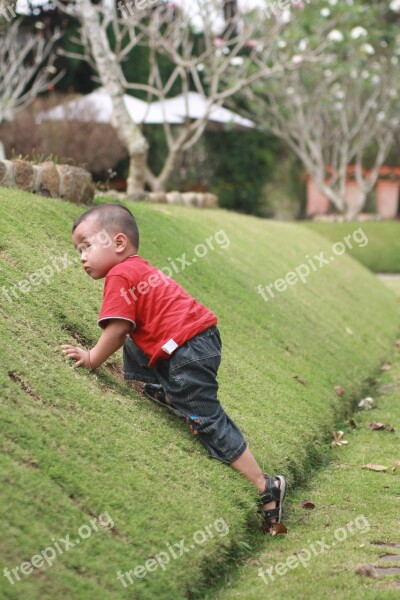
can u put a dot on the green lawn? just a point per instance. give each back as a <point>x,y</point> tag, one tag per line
<point>355,520</point>
<point>380,255</point>
<point>77,445</point>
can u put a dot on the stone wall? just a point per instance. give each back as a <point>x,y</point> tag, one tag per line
<point>76,185</point>
<point>48,179</point>
<point>204,200</point>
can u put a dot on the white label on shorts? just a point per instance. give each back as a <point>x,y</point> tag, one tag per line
<point>170,346</point>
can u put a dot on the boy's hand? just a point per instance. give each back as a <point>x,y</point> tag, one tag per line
<point>111,339</point>
<point>81,356</point>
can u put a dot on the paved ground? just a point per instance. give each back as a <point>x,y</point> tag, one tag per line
<point>388,276</point>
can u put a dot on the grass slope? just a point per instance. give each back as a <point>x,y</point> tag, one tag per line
<point>381,254</point>
<point>77,444</point>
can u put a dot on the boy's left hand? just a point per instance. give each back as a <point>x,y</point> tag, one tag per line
<point>81,356</point>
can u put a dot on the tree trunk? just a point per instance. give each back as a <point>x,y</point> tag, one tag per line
<point>157,184</point>
<point>355,200</point>
<point>108,68</point>
<point>230,10</point>
<point>230,15</point>
<point>329,192</point>
<point>137,170</point>
<point>350,213</point>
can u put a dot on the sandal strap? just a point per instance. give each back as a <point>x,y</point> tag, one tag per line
<point>156,392</point>
<point>271,492</point>
<point>272,513</point>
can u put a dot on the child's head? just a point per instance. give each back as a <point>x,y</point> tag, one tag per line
<point>104,236</point>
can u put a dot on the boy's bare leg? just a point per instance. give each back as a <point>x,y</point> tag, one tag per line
<point>247,465</point>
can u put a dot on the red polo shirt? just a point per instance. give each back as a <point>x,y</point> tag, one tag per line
<point>160,310</point>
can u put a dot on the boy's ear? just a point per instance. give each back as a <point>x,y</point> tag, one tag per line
<point>120,242</point>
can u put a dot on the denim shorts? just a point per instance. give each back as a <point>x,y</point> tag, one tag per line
<point>189,378</point>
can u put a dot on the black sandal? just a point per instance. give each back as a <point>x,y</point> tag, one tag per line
<point>273,493</point>
<point>157,393</point>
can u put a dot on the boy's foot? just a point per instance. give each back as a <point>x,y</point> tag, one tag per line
<point>157,393</point>
<point>272,504</point>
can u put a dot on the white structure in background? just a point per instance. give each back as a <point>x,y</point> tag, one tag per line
<point>2,151</point>
<point>97,107</point>
<point>195,106</point>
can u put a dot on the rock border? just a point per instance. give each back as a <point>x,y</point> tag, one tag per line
<point>74,184</point>
<point>199,199</point>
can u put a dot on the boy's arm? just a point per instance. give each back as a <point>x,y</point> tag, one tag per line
<point>111,339</point>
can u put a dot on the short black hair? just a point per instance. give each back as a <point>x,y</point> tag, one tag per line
<point>114,218</point>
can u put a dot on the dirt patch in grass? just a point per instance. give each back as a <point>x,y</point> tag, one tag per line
<point>80,339</point>
<point>24,385</point>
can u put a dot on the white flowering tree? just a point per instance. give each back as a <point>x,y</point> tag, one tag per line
<point>26,67</point>
<point>207,53</point>
<point>344,109</point>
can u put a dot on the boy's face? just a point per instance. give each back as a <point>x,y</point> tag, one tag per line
<point>96,248</point>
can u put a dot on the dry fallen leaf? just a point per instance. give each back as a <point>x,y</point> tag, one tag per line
<point>386,366</point>
<point>396,464</point>
<point>339,390</point>
<point>277,528</point>
<point>366,403</point>
<point>300,379</point>
<point>307,503</point>
<point>373,467</point>
<point>376,426</point>
<point>337,438</point>
<point>367,570</point>
<point>349,331</point>
<point>397,343</point>
<point>102,523</point>
<point>273,529</point>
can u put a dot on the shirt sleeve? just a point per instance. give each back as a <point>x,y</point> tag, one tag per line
<point>117,302</point>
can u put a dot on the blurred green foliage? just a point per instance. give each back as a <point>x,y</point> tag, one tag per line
<point>243,162</point>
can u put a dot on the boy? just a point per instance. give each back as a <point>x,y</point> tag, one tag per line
<point>170,341</point>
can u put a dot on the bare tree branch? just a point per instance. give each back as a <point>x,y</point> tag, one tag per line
<point>330,122</point>
<point>26,68</point>
<point>218,61</point>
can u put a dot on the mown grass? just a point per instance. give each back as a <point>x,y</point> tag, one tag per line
<point>381,254</point>
<point>76,444</point>
<point>355,520</point>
